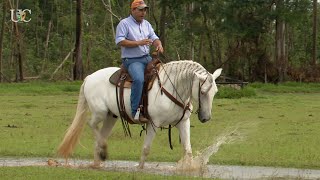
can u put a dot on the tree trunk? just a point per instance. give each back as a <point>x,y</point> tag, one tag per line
<point>190,8</point>
<point>153,7</point>
<point>163,25</point>
<point>37,37</point>
<point>210,40</point>
<point>4,8</point>
<point>218,51</point>
<point>201,59</point>
<point>12,47</point>
<point>280,47</point>
<point>18,40</point>
<point>314,46</point>
<point>191,48</point>
<point>88,54</point>
<point>45,57</point>
<point>19,53</point>
<point>78,65</point>
<point>57,16</point>
<point>281,50</point>
<point>111,20</point>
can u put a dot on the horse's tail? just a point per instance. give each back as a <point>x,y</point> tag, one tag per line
<point>72,135</point>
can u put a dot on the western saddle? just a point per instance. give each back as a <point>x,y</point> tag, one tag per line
<point>122,79</point>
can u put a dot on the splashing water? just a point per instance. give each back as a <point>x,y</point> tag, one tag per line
<point>197,166</point>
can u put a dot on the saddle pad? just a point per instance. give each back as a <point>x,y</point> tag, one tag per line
<point>116,76</point>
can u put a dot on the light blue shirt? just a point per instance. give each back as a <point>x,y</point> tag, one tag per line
<point>130,29</point>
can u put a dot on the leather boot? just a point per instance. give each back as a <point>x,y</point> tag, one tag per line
<point>143,119</point>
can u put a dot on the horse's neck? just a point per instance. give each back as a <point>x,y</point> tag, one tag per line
<point>181,75</point>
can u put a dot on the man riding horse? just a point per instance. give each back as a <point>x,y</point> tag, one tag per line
<point>187,82</point>
<point>134,35</point>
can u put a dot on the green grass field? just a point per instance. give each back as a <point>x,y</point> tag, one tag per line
<point>40,173</point>
<point>276,125</point>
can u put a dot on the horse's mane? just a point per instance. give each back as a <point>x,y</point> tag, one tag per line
<point>186,67</point>
<point>181,74</point>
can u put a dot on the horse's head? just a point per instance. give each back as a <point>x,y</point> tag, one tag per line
<point>206,90</point>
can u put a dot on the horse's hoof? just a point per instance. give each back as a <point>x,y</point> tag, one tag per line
<point>52,162</point>
<point>141,166</point>
<point>67,165</point>
<point>103,155</point>
<point>95,165</point>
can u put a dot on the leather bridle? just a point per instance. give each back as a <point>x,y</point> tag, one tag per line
<point>180,104</point>
<point>199,93</point>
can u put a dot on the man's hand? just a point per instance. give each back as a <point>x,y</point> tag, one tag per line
<point>159,48</point>
<point>158,45</point>
<point>143,42</point>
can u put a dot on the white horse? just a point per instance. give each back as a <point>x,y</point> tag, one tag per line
<point>188,81</point>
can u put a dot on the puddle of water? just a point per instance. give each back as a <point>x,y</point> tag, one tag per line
<point>189,166</point>
<point>169,168</point>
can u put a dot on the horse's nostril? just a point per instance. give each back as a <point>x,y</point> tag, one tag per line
<point>205,119</point>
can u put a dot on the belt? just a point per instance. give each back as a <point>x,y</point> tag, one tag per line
<point>137,57</point>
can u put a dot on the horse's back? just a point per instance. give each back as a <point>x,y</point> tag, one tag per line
<point>101,74</point>
<point>97,88</point>
<point>99,78</point>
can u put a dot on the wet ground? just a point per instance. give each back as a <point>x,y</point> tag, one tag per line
<point>166,168</point>
<point>189,166</point>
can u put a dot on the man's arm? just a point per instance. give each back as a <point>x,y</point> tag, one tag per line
<point>129,43</point>
<point>121,37</point>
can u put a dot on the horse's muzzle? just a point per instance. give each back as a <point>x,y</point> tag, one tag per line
<point>203,119</point>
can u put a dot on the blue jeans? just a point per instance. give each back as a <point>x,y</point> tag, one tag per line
<point>136,67</point>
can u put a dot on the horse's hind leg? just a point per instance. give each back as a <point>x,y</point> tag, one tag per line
<point>105,132</point>
<point>146,145</point>
<point>100,152</point>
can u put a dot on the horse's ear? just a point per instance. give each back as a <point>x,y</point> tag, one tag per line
<point>217,73</point>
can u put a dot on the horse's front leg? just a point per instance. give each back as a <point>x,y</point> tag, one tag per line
<point>184,130</point>
<point>147,144</point>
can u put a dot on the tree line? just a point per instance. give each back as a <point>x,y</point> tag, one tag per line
<point>252,40</point>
